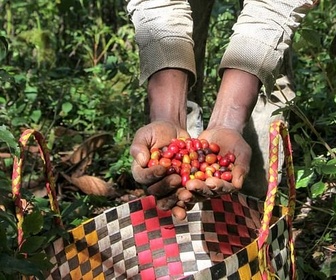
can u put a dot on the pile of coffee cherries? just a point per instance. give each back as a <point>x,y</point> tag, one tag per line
<point>193,158</point>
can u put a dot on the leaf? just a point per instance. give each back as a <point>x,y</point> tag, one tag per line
<point>72,207</point>
<point>36,115</point>
<point>298,139</point>
<point>304,177</point>
<point>317,189</point>
<point>5,216</point>
<point>3,239</point>
<point>89,146</point>
<point>32,244</point>
<point>333,48</point>
<point>329,267</point>
<point>33,223</point>
<point>311,36</point>
<point>11,265</point>
<point>92,185</point>
<point>329,169</point>
<point>67,107</point>
<point>42,261</point>
<point>32,91</point>
<point>3,47</point>
<point>7,137</point>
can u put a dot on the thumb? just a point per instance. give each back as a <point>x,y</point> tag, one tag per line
<point>238,176</point>
<point>140,154</point>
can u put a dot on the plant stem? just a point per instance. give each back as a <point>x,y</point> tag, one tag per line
<point>294,108</point>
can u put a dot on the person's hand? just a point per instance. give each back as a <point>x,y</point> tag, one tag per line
<point>156,135</point>
<point>235,101</point>
<point>229,140</point>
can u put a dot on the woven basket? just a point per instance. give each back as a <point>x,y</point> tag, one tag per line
<point>229,237</point>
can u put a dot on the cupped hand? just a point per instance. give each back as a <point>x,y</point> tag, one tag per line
<point>156,135</point>
<point>229,140</point>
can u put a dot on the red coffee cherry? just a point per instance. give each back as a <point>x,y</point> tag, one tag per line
<point>193,158</point>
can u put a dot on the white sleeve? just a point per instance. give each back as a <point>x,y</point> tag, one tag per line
<point>163,33</point>
<point>263,32</point>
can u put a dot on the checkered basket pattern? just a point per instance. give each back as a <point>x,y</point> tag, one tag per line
<point>229,237</point>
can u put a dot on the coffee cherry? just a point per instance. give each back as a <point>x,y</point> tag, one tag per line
<point>203,166</point>
<point>205,144</point>
<point>226,176</point>
<point>231,157</point>
<point>153,162</point>
<point>178,156</point>
<point>200,175</point>
<point>193,158</point>
<point>174,148</point>
<point>171,170</point>
<point>197,144</point>
<point>193,155</point>
<point>168,154</point>
<point>185,179</point>
<point>155,154</point>
<point>217,174</point>
<point>210,158</point>
<point>224,161</point>
<point>176,162</point>
<point>186,159</point>
<point>214,148</point>
<point>166,162</point>
<point>201,158</point>
<point>195,163</point>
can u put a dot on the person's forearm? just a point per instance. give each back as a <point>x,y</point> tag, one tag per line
<point>236,99</point>
<point>167,94</point>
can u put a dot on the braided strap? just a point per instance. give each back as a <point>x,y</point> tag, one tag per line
<point>17,179</point>
<point>278,131</point>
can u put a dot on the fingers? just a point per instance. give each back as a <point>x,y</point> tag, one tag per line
<point>179,213</point>
<point>147,176</point>
<point>199,187</point>
<point>165,186</point>
<point>167,202</point>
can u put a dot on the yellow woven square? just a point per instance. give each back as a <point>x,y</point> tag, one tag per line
<point>88,276</point>
<point>95,261</point>
<point>70,251</point>
<point>91,238</point>
<point>83,256</point>
<point>100,277</point>
<point>252,251</point>
<point>76,273</point>
<point>256,276</point>
<point>78,232</point>
<point>245,272</point>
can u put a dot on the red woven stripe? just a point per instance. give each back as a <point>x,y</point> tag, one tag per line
<point>137,218</point>
<point>160,250</point>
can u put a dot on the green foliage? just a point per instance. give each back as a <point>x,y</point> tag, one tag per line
<point>39,228</point>
<point>74,64</point>
<point>28,259</point>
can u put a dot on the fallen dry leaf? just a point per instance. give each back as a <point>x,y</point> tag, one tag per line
<point>92,185</point>
<point>5,155</point>
<point>61,131</point>
<point>89,146</point>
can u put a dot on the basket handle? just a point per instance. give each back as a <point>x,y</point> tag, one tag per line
<point>17,178</point>
<point>278,130</point>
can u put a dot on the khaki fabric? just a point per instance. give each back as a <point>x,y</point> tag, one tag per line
<point>163,31</point>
